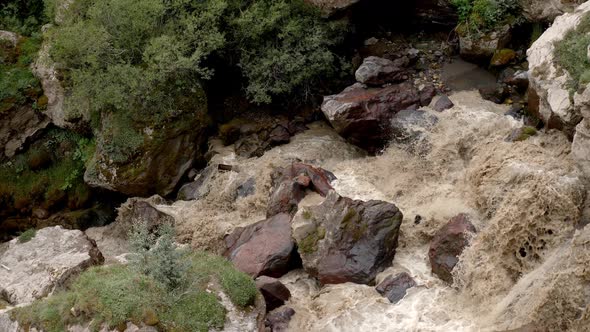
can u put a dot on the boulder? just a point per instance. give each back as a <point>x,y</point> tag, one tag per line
<point>274,292</point>
<point>448,243</point>
<point>199,187</point>
<point>435,12</point>
<point>344,240</point>
<point>394,287</point>
<point>546,10</point>
<point>549,90</point>
<point>161,153</point>
<point>363,115</point>
<point>378,71</point>
<point>18,125</point>
<point>290,183</point>
<point>331,7</point>
<point>502,57</point>
<point>278,319</point>
<point>443,103</point>
<point>34,269</point>
<point>263,248</point>
<point>481,47</point>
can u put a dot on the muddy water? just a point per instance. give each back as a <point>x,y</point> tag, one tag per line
<point>525,199</point>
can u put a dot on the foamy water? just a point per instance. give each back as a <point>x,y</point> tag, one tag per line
<point>523,197</point>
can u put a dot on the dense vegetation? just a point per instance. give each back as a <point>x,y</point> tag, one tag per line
<point>143,292</point>
<point>23,17</point>
<point>484,15</point>
<point>571,53</point>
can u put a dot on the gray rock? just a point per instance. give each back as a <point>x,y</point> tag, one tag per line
<point>200,185</point>
<point>246,189</point>
<point>443,103</point>
<point>395,288</point>
<point>481,47</point>
<point>36,268</point>
<point>17,126</point>
<point>344,240</point>
<point>378,71</point>
<point>278,319</point>
<point>331,7</point>
<point>409,125</point>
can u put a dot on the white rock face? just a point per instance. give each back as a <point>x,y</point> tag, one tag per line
<point>34,269</point>
<point>547,78</point>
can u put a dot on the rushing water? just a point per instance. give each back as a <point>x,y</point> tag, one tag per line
<point>525,199</point>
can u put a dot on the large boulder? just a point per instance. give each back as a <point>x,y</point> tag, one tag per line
<point>481,47</point>
<point>363,115</point>
<point>546,10</point>
<point>140,157</point>
<point>344,240</point>
<point>448,243</point>
<point>549,83</point>
<point>290,184</point>
<point>34,269</point>
<point>17,126</point>
<point>377,71</point>
<point>263,248</point>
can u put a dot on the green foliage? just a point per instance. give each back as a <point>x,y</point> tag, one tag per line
<point>571,53</point>
<point>24,17</point>
<point>27,235</point>
<point>139,56</point>
<point>485,15</point>
<point>29,179</point>
<point>113,295</point>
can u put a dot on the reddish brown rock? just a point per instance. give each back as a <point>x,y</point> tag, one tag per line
<point>363,116</point>
<point>264,248</point>
<point>447,244</point>
<point>345,240</point>
<point>290,183</point>
<point>274,292</point>
<point>394,288</point>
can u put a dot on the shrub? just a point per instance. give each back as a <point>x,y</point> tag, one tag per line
<point>485,15</point>
<point>571,53</point>
<point>27,235</point>
<point>22,17</point>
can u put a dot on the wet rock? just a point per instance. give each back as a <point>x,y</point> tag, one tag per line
<point>448,243</point>
<point>443,103</point>
<point>496,94</point>
<point>246,189</point>
<point>519,79</point>
<point>362,115</point>
<point>427,94</point>
<point>481,47</point>
<point>345,240</point>
<point>291,182</point>
<point>394,288</point>
<point>408,126</point>
<point>436,12</point>
<point>274,292</point>
<point>199,187</point>
<point>278,319</point>
<point>47,262</point>
<point>254,133</point>
<point>549,83</point>
<point>137,209</point>
<point>263,248</point>
<point>502,57</point>
<point>378,71</point>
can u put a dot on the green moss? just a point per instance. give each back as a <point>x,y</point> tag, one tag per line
<point>114,295</point>
<point>571,53</point>
<point>306,214</point>
<point>525,133</point>
<point>309,244</point>
<point>352,224</point>
<point>27,235</point>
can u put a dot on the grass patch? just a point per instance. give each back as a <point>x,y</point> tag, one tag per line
<point>571,53</point>
<point>27,235</point>
<point>114,295</point>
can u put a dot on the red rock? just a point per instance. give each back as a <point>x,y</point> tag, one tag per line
<point>264,248</point>
<point>448,243</point>
<point>394,288</point>
<point>274,292</point>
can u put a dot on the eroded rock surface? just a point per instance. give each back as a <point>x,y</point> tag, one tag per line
<point>394,287</point>
<point>34,269</point>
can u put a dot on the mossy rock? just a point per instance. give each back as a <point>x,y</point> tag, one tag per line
<point>503,57</point>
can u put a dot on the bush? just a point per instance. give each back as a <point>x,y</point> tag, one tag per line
<point>485,15</point>
<point>27,235</point>
<point>114,295</point>
<point>571,53</point>
<point>24,17</point>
